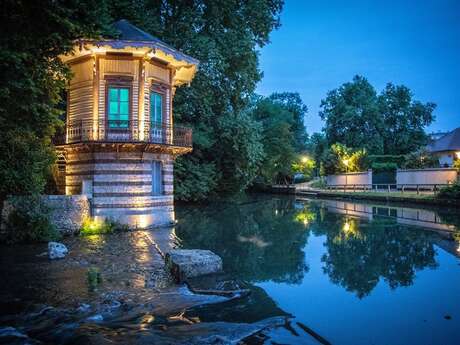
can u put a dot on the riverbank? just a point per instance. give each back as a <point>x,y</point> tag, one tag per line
<point>412,198</point>
<point>109,288</point>
<point>397,197</point>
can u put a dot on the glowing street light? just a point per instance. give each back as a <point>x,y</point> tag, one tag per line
<point>304,159</point>
<point>346,162</point>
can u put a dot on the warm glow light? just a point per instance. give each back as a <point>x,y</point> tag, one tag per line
<point>457,154</point>
<point>346,227</point>
<point>304,159</point>
<point>458,248</point>
<point>346,161</point>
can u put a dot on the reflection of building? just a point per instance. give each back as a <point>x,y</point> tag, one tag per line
<point>403,215</point>
<point>120,142</point>
<point>446,148</point>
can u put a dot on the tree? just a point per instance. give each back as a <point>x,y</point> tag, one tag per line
<point>403,120</point>
<point>352,116</point>
<point>32,78</point>
<point>283,134</point>
<point>292,102</point>
<point>224,36</point>
<point>390,123</point>
<point>340,158</point>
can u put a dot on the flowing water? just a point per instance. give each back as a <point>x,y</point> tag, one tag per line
<point>318,271</point>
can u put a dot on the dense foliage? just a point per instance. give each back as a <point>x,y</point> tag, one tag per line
<point>28,221</point>
<point>340,158</point>
<point>450,192</point>
<point>388,123</point>
<point>283,135</point>
<point>34,34</point>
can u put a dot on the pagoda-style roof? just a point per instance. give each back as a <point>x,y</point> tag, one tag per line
<point>139,43</point>
<point>448,142</point>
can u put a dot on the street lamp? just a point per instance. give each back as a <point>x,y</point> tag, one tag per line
<point>304,159</point>
<point>346,162</point>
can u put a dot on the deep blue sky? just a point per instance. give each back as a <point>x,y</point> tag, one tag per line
<point>322,44</point>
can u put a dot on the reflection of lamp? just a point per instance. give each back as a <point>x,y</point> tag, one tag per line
<point>458,248</point>
<point>305,221</point>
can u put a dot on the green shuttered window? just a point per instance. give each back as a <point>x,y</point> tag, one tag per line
<point>156,109</point>
<point>118,115</point>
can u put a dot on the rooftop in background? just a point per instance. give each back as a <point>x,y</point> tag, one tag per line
<point>448,142</point>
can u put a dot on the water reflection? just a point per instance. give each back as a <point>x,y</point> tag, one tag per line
<point>359,254</point>
<point>258,241</point>
<point>266,240</point>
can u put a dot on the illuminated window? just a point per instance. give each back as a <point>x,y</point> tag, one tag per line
<point>118,113</point>
<point>156,109</point>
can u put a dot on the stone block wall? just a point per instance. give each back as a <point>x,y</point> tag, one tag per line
<point>67,212</point>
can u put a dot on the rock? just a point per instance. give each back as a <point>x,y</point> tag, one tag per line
<point>56,250</point>
<point>189,263</point>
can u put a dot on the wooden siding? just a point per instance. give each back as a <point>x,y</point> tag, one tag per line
<point>158,73</point>
<point>80,105</point>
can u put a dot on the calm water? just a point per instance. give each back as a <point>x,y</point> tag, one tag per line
<point>353,273</point>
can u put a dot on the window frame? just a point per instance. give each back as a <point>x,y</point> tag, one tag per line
<point>161,89</point>
<point>119,82</point>
<point>153,165</point>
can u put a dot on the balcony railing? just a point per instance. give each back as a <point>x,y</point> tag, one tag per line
<point>122,131</point>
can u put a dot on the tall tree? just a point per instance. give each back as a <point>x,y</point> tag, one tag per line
<point>224,36</point>
<point>389,123</point>
<point>34,34</point>
<point>352,116</point>
<point>278,139</point>
<point>404,120</point>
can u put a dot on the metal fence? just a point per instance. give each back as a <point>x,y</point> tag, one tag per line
<point>121,131</point>
<point>418,188</point>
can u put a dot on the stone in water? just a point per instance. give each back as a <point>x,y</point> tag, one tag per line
<point>189,263</point>
<point>56,250</point>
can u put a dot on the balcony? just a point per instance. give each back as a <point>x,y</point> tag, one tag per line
<point>121,131</point>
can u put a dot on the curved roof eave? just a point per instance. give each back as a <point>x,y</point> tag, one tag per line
<point>120,44</point>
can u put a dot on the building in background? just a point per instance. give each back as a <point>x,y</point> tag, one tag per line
<point>446,148</point>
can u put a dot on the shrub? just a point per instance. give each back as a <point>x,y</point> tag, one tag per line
<point>98,227</point>
<point>29,221</point>
<point>383,167</point>
<point>320,183</point>
<point>397,159</point>
<point>420,160</point>
<point>450,192</point>
<point>457,164</point>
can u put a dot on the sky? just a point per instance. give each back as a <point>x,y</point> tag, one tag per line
<point>322,44</point>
